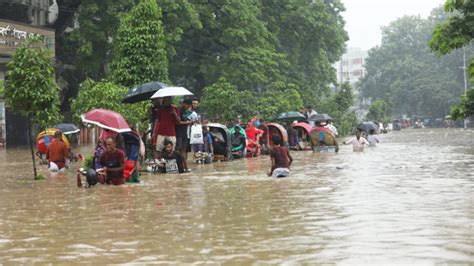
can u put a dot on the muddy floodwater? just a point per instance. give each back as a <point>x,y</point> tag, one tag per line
<point>408,200</point>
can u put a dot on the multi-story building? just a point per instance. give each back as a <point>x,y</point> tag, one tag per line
<point>351,69</point>
<point>19,20</point>
<point>351,66</point>
<point>33,12</point>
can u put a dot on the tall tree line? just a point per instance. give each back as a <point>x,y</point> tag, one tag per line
<point>250,43</point>
<point>404,73</point>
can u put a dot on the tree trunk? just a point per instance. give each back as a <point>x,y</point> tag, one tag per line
<point>28,121</point>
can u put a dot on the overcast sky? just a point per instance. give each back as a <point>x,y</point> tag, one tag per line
<point>365,17</point>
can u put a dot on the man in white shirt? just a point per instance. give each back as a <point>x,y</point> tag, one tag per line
<point>331,127</point>
<point>358,142</point>
<point>310,112</point>
<point>372,139</point>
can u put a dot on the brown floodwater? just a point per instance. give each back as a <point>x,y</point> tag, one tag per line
<point>408,200</point>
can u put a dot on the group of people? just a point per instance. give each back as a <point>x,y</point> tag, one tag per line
<point>177,131</point>
<point>359,142</point>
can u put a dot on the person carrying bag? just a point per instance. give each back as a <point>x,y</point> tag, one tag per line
<point>196,135</point>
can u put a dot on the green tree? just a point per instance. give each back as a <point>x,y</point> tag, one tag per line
<point>378,111</point>
<point>89,46</point>
<point>456,32</point>
<point>220,101</point>
<point>338,107</point>
<point>311,34</point>
<point>232,42</point>
<point>277,98</point>
<point>403,71</point>
<point>30,87</point>
<point>179,16</point>
<point>465,108</point>
<point>108,95</point>
<point>2,88</point>
<point>139,54</point>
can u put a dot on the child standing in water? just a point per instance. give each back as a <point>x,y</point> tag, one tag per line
<point>281,159</point>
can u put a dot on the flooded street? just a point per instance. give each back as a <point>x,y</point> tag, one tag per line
<point>409,200</point>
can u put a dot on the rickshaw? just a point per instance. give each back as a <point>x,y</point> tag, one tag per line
<point>264,145</point>
<point>114,126</point>
<point>238,151</point>
<point>43,139</point>
<point>219,153</point>
<point>323,140</point>
<point>275,128</point>
<point>303,131</point>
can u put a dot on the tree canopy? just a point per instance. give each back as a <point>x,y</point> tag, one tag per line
<point>338,106</point>
<point>30,84</point>
<point>403,72</point>
<point>30,87</point>
<point>139,54</point>
<point>456,32</point>
<point>250,43</point>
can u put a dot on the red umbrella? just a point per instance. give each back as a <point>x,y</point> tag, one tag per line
<point>106,119</point>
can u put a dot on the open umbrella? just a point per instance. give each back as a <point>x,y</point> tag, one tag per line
<point>367,126</point>
<point>143,92</point>
<point>171,91</point>
<point>319,117</point>
<point>106,119</point>
<point>67,129</point>
<point>291,116</point>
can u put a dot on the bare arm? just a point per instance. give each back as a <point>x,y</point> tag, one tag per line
<point>291,159</point>
<point>273,166</point>
<point>180,122</point>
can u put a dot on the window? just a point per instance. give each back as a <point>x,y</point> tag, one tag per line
<point>357,61</point>
<point>357,73</point>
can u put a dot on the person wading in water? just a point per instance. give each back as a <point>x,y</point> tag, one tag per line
<point>281,159</point>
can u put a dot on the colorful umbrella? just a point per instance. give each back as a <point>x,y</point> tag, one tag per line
<point>106,119</point>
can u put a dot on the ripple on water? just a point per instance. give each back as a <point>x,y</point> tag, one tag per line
<point>409,200</point>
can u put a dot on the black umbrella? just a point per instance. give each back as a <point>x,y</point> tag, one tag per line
<point>290,116</point>
<point>319,117</point>
<point>67,129</point>
<point>143,92</point>
<point>367,126</point>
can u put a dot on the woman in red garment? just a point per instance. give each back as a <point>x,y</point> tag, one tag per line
<point>253,138</point>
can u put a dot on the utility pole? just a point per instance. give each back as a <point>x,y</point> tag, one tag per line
<point>464,69</point>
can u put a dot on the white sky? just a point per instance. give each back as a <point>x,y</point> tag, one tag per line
<point>364,18</point>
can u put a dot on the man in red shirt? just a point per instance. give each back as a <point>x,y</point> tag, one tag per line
<point>113,160</point>
<point>57,152</point>
<point>168,117</point>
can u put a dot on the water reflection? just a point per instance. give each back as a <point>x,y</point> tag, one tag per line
<point>409,200</point>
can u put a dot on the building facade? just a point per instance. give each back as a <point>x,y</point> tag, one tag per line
<point>33,12</point>
<point>20,20</point>
<point>351,66</point>
<point>351,69</point>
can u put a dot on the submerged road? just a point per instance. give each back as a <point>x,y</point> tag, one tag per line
<point>408,200</point>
